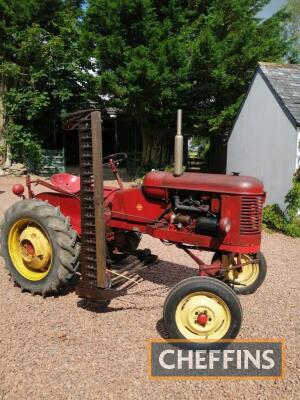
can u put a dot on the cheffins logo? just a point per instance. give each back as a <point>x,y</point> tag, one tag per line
<point>242,359</point>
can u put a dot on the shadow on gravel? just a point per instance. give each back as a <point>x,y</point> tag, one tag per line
<point>167,274</point>
<point>96,307</point>
<point>163,273</point>
<point>70,287</point>
<point>161,329</point>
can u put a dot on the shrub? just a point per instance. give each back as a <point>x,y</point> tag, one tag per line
<point>24,146</point>
<point>287,221</point>
<point>293,228</point>
<point>292,199</point>
<point>273,217</point>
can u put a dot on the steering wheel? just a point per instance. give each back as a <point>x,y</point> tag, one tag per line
<point>117,158</point>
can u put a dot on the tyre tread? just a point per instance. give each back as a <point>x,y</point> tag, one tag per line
<point>58,225</point>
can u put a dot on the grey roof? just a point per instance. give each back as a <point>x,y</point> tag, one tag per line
<point>284,81</point>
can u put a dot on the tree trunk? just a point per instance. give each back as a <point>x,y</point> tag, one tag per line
<point>157,149</point>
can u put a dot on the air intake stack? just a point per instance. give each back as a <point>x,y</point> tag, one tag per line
<point>178,148</point>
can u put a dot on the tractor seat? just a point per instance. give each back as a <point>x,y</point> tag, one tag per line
<point>68,182</point>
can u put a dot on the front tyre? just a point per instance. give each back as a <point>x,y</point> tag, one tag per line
<point>201,308</point>
<point>39,247</point>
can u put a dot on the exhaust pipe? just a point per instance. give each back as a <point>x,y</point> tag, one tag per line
<point>178,148</point>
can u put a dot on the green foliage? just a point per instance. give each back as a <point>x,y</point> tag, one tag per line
<point>292,199</point>
<point>293,228</point>
<point>2,148</point>
<point>203,145</point>
<point>139,56</point>
<point>153,57</point>
<point>25,103</point>
<point>24,146</point>
<point>273,217</point>
<point>287,222</point>
<point>228,41</point>
<point>293,29</point>
<point>40,69</point>
<point>149,57</point>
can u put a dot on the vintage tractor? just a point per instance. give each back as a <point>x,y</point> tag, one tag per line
<point>79,227</point>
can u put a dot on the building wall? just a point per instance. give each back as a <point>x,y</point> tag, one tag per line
<point>263,143</point>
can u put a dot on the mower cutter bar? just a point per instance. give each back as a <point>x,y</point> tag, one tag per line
<point>140,260</point>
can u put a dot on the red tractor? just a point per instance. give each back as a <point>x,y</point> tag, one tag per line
<point>80,227</point>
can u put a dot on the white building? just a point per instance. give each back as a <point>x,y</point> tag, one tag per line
<point>265,139</point>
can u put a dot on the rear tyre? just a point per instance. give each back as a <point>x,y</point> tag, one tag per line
<point>40,249</point>
<point>201,308</point>
<point>249,278</point>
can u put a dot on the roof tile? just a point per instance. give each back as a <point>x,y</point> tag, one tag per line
<point>285,81</point>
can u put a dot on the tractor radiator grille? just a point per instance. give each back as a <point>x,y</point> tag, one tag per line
<point>251,215</point>
<point>88,230</point>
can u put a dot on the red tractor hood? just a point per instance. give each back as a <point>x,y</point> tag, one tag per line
<point>216,183</point>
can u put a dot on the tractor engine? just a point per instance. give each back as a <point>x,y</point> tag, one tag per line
<point>196,212</point>
<point>225,208</point>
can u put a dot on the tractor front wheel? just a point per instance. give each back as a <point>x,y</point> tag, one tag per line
<point>201,308</point>
<point>248,278</point>
<point>39,247</point>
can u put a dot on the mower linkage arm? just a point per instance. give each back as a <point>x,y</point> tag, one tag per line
<point>37,182</point>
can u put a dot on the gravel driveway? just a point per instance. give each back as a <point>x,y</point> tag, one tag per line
<point>59,348</point>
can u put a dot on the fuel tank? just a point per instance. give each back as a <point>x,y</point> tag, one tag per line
<point>156,183</point>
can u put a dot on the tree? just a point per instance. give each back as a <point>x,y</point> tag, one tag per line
<point>153,57</point>
<point>227,42</point>
<point>293,29</point>
<point>140,66</point>
<point>150,57</point>
<point>40,68</point>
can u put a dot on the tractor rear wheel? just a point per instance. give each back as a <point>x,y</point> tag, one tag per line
<point>201,308</point>
<point>248,278</point>
<point>40,249</point>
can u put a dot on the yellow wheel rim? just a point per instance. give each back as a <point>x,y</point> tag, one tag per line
<point>203,304</point>
<point>30,249</point>
<point>244,276</point>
